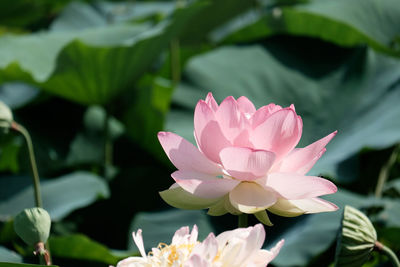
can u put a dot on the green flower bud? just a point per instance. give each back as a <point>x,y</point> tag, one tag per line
<point>6,117</point>
<point>33,225</point>
<point>356,239</point>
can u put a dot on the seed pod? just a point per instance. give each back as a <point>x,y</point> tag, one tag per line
<point>356,239</point>
<point>33,225</point>
<point>6,116</point>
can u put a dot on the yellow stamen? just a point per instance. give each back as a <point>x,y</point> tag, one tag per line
<point>172,251</point>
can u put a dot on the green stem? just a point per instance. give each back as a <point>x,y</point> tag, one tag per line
<point>243,220</point>
<point>42,253</point>
<point>107,160</point>
<point>35,175</point>
<point>384,173</point>
<point>175,61</point>
<point>388,252</point>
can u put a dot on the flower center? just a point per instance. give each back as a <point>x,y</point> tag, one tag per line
<point>174,253</point>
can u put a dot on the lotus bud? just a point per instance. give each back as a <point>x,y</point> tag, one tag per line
<point>356,239</point>
<point>6,117</point>
<point>33,225</point>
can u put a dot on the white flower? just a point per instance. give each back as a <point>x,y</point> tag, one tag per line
<point>237,248</point>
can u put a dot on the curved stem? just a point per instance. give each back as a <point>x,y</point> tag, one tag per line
<point>388,252</point>
<point>384,173</point>
<point>243,220</point>
<point>107,145</point>
<point>35,174</point>
<point>42,253</point>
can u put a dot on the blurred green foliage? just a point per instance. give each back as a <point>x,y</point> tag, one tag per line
<point>94,82</point>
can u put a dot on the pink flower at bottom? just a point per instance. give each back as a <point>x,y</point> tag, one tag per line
<point>237,248</point>
<point>246,162</point>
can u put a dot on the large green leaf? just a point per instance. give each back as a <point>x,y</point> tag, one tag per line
<point>193,27</point>
<point>134,11</point>
<point>80,247</point>
<point>93,65</point>
<point>60,196</point>
<point>9,264</point>
<point>17,94</point>
<point>146,111</point>
<point>89,66</point>
<point>342,22</point>
<point>79,15</point>
<point>357,94</point>
<point>8,255</point>
<point>159,227</point>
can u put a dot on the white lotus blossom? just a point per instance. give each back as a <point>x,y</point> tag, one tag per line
<point>237,248</point>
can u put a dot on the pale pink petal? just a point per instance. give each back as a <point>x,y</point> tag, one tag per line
<point>196,260</point>
<point>256,238</point>
<point>194,234</point>
<point>203,114</point>
<point>263,113</point>
<point>260,258</point>
<point>224,237</point>
<point>280,133</point>
<point>181,235</point>
<point>177,197</point>
<point>203,185</point>
<point>263,257</point>
<point>212,141</point>
<point>250,197</point>
<point>296,186</point>
<point>292,208</point>
<point>303,159</point>
<point>286,208</point>
<point>275,250</point>
<point>231,245</point>
<point>246,106</point>
<point>229,118</point>
<point>184,155</point>
<point>250,245</point>
<point>133,262</point>
<point>208,249</point>
<point>137,237</point>
<point>242,140</point>
<point>314,205</point>
<point>246,163</point>
<point>210,101</point>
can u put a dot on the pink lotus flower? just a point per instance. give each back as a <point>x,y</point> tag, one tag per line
<point>246,162</point>
<point>237,248</point>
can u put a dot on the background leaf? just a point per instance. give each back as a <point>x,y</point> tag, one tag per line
<point>339,98</point>
<point>345,23</point>
<point>7,255</point>
<point>60,196</point>
<point>55,61</point>
<point>159,227</point>
<point>81,247</point>
<point>17,94</point>
<point>8,264</point>
<point>126,57</point>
